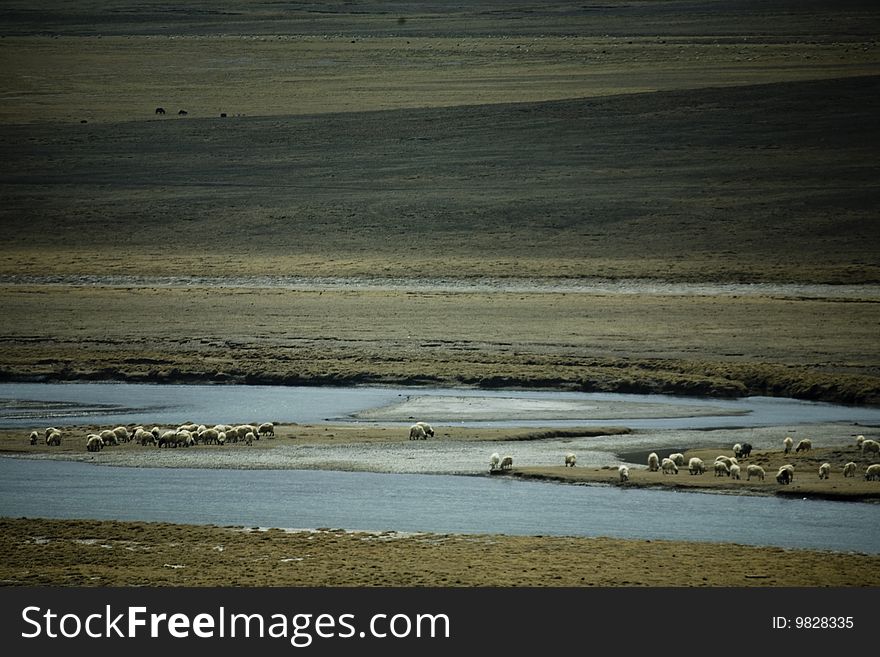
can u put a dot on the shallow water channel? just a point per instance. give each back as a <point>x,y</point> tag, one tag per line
<point>60,404</point>
<point>425,503</point>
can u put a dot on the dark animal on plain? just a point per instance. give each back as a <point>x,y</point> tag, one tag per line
<point>160,110</point>
<point>182,113</point>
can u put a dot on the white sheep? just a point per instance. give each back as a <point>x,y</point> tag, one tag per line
<point>265,429</point>
<point>825,471</point>
<point>735,471</point>
<point>34,437</point>
<point>570,460</point>
<point>429,430</point>
<point>507,463</point>
<point>696,466</point>
<point>122,434</point>
<point>54,438</point>
<point>859,440</point>
<point>417,432</point>
<point>677,458</point>
<point>94,443</point>
<point>787,443</point>
<point>249,438</point>
<point>804,445</point>
<point>144,437</point>
<point>754,471</point>
<point>168,439</point>
<point>623,473</point>
<point>668,466</point>
<point>872,473</point>
<point>109,437</point>
<point>870,446</point>
<point>726,460</point>
<point>653,462</point>
<point>221,438</point>
<point>737,450</point>
<point>494,461</point>
<point>209,436</point>
<point>849,470</point>
<point>722,469</point>
<point>48,431</point>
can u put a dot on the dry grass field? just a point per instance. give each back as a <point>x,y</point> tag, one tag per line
<point>345,170</point>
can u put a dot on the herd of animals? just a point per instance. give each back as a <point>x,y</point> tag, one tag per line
<point>187,435</point>
<point>729,466</point>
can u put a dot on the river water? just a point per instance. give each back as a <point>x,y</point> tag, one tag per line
<point>299,499</point>
<point>402,501</point>
<point>60,404</point>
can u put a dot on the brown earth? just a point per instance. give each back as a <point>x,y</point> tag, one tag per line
<point>91,553</point>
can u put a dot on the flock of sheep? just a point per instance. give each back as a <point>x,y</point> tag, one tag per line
<point>189,434</point>
<point>729,466</point>
<point>186,435</point>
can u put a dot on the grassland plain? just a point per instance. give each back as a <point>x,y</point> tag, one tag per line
<point>721,142</point>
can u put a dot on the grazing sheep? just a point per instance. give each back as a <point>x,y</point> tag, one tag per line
<point>745,451</point>
<point>417,432</point>
<point>623,473</point>
<point>54,439</point>
<point>653,462</point>
<point>94,443</point>
<point>221,438</point>
<point>735,471</point>
<point>824,471</point>
<point>872,473</point>
<point>870,446</point>
<point>494,461</point>
<point>48,431</point>
<point>677,458</point>
<point>726,460</point>
<point>737,448</point>
<point>34,438</point>
<point>168,439</point>
<point>785,475</point>
<point>668,466</point>
<point>570,460</point>
<point>109,437</point>
<point>804,445</point>
<point>507,463</point>
<point>144,437</point>
<point>267,429</point>
<point>209,436</point>
<point>696,466</point>
<point>859,440</point>
<point>756,471</point>
<point>249,438</point>
<point>849,470</point>
<point>722,469</point>
<point>122,435</point>
<point>429,430</point>
<point>787,443</point>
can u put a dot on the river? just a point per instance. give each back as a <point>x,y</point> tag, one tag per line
<point>60,404</point>
<point>300,499</point>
